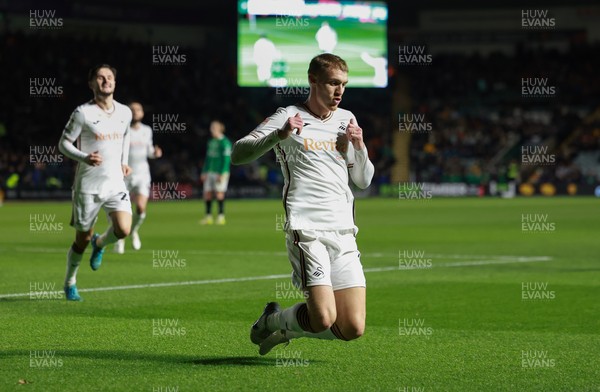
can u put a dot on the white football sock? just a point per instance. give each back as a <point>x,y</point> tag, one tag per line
<point>107,238</point>
<point>138,219</point>
<point>73,261</point>
<point>285,319</point>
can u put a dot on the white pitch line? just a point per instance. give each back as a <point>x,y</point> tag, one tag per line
<point>281,276</point>
<point>454,256</point>
<point>278,253</point>
<point>490,262</point>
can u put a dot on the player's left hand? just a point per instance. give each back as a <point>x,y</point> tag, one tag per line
<point>157,152</point>
<point>355,135</point>
<point>341,143</point>
<point>126,170</point>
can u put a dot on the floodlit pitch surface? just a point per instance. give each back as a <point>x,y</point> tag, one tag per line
<point>463,294</point>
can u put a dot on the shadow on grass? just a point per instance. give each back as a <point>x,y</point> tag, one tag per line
<point>270,360</point>
<point>234,361</point>
<point>141,356</point>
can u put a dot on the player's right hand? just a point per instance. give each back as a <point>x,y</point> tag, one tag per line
<point>126,170</point>
<point>292,124</point>
<point>203,177</point>
<point>94,159</point>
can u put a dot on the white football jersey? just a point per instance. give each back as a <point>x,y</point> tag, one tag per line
<point>316,193</point>
<point>93,129</point>
<point>141,147</point>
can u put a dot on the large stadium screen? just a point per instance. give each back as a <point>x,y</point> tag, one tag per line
<point>277,39</point>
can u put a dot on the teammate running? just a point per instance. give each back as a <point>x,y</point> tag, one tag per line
<point>141,148</point>
<point>319,146</point>
<point>215,172</point>
<point>101,129</point>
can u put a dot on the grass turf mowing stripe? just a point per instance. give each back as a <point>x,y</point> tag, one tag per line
<point>280,276</point>
<point>275,253</point>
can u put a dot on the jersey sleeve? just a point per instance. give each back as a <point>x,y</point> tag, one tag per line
<point>260,140</point>
<point>74,126</point>
<point>70,134</point>
<point>150,147</point>
<point>126,141</point>
<point>126,144</point>
<point>226,146</point>
<point>360,167</point>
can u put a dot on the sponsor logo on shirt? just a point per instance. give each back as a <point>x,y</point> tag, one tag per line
<point>319,145</point>
<point>108,136</point>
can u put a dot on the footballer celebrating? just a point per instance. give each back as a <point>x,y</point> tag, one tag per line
<point>100,128</point>
<point>320,147</point>
<point>141,148</point>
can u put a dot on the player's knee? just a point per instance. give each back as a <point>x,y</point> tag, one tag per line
<point>320,325</point>
<point>353,329</point>
<point>81,241</point>
<point>84,240</point>
<point>122,232</point>
<point>80,245</point>
<point>322,320</point>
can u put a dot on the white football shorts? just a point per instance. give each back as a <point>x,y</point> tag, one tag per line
<point>138,185</point>
<point>325,258</point>
<point>87,206</point>
<point>212,185</point>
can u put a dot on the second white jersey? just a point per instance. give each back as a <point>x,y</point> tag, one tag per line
<point>107,133</point>
<point>316,193</point>
<point>141,148</point>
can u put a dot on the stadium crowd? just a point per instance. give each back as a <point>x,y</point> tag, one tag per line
<point>185,96</point>
<point>479,117</point>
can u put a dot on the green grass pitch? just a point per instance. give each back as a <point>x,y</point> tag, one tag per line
<point>458,323</point>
